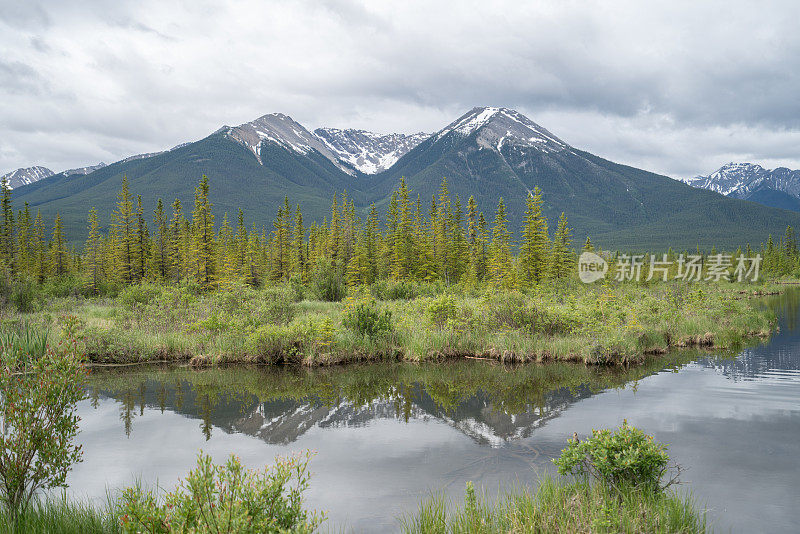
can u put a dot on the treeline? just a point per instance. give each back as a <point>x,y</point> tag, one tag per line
<point>442,241</point>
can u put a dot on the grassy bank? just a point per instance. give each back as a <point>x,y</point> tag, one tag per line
<point>557,506</point>
<point>554,506</point>
<point>595,324</point>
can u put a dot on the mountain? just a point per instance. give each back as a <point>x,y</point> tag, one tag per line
<point>488,152</point>
<point>26,176</point>
<point>368,152</point>
<point>491,152</point>
<point>778,188</point>
<point>84,170</point>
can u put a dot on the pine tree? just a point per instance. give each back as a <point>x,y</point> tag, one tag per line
<point>202,247</point>
<point>7,229</point>
<point>58,250</point>
<point>500,270</point>
<point>298,252</point>
<point>24,261</point>
<point>161,256</point>
<point>176,239</point>
<point>588,247</point>
<point>39,248</point>
<point>535,243</point>
<point>124,227</point>
<point>94,253</point>
<point>561,256</point>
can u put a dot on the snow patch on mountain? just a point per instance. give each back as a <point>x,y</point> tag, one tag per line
<point>496,127</point>
<point>281,130</point>
<point>83,170</point>
<point>27,176</point>
<point>368,152</point>
<point>741,180</point>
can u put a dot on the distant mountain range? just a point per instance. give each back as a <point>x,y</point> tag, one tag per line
<point>778,188</point>
<point>488,152</point>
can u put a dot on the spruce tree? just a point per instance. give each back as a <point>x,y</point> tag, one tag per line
<point>500,270</point>
<point>561,255</point>
<point>202,246</point>
<point>94,253</point>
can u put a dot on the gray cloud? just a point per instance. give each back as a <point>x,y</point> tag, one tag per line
<point>674,87</point>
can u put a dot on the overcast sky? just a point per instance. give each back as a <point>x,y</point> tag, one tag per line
<point>676,87</point>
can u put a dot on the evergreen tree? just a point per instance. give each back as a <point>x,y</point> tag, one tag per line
<point>94,253</point>
<point>500,270</point>
<point>535,243</point>
<point>124,226</point>
<point>561,255</point>
<point>58,250</point>
<point>7,229</point>
<point>202,247</point>
<point>161,257</point>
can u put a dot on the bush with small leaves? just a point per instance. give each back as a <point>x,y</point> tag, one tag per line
<point>441,310</point>
<point>225,499</point>
<point>39,390</point>
<point>626,456</point>
<point>365,319</point>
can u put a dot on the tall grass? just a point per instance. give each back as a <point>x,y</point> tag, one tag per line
<point>559,506</point>
<point>61,516</point>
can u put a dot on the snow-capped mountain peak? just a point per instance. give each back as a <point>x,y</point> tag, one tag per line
<point>368,152</point>
<point>351,150</point>
<point>27,176</point>
<point>741,180</point>
<point>281,130</point>
<point>495,127</point>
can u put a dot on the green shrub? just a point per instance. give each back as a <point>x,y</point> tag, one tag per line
<point>140,295</point>
<point>25,296</point>
<point>441,310</point>
<point>225,499</point>
<point>327,282</point>
<point>39,390</point>
<point>366,319</point>
<point>626,456</point>
<point>63,286</point>
<point>278,304</point>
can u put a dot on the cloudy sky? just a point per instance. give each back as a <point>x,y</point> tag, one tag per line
<point>674,87</point>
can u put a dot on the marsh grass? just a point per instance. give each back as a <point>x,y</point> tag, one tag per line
<point>560,506</point>
<point>612,323</point>
<point>58,515</point>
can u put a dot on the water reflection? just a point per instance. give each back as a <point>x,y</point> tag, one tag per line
<point>490,403</point>
<point>388,434</point>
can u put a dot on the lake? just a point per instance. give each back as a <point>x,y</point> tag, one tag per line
<point>388,435</point>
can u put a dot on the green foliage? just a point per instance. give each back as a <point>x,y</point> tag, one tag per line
<point>279,304</point>
<point>365,318</point>
<point>327,282</point>
<point>39,390</point>
<point>441,310</point>
<point>140,295</point>
<point>557,506</point>
<point>226,499</point>
<point>626,456</point>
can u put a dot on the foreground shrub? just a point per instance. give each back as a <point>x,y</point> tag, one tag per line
<point>626,456</point>
<point>366,319</point>
<point>225,499</point>
<point>39,390</point>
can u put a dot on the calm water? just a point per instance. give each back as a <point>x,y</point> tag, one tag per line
<point>388,435</point>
